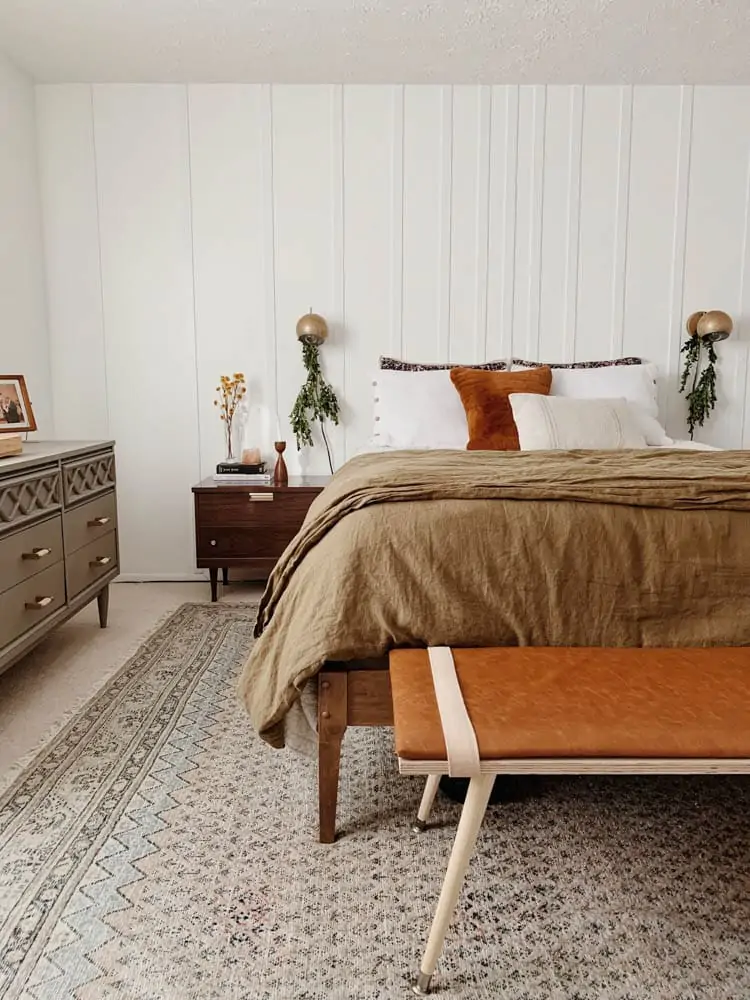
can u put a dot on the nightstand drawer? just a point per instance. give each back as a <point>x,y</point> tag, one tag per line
<point>282,511</point>
<point>90,562</point>
<point>89,521</point>
<point>24,606</point>
<point>244,543</point>
<point>25,553</point>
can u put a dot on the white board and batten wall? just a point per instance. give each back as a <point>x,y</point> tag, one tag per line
<point>188,227</point>
<point>23,316</point>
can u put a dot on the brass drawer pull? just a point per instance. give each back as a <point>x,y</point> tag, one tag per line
<point>101,561</point>
<point>39,603</point>
<point>98,522</point>
<point>37,553</point>
<point>260,496</point>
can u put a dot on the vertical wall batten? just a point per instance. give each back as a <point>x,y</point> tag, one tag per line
<point>619,261</point>
<point>572,223</point>
<point>510,219</point>
<point>338,250</point>
<point>269,246</point>
<point>446,198</point>
<point>679,241</point>
<point>191,227</point>
<point>503,138</point>
<point>536,221</point>
<point>105,373</point>
<point>396,339</point>
<point>741,323</point>
<point>484,142</point>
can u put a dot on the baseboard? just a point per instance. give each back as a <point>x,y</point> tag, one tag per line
<point>196,577</point>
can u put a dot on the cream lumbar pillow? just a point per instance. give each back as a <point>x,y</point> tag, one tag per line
<point>551,423</point>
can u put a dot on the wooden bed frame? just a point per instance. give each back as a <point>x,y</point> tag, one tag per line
<point>349,694</point>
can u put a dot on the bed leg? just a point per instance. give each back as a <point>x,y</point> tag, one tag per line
<point>332,712</point>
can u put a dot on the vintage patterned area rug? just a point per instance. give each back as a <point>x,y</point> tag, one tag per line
<point>157,850</point>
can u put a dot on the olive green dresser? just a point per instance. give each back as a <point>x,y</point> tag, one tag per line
<point>58,538</point>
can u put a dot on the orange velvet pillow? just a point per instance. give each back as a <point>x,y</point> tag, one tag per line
<point>488,411</point>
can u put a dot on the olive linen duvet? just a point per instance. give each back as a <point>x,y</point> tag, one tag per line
<point>457,548</point>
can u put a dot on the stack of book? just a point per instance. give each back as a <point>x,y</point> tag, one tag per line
<point>236,472</point>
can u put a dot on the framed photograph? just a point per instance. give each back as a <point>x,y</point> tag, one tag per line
<point>16,415</point>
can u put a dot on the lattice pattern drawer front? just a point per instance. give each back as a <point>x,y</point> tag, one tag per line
<point>86,478</point>
<point>22,500</point>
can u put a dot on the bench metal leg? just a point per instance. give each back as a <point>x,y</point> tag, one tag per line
<point>425,806</point>
<point>472,815</point>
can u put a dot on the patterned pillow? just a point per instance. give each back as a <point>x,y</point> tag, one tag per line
<point>578,364</point>
<point>396,365</point>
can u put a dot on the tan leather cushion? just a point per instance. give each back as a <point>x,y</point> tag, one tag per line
<point>575,702</point>
<point>488,412</point>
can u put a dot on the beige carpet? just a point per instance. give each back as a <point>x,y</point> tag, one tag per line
<point>157,850</point>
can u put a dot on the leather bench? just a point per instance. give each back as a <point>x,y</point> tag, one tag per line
<point>477,713</point>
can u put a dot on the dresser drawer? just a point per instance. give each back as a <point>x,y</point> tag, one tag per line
<point>89,521</point>
<point>90,562</point>
<point>29,603</point>
<point>256,509</point>
<point>27,498</point>
<point>25,553</point>
<point>87,477</point>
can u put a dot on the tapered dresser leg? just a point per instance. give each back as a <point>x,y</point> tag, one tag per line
<point>214,574</point>
<point>102,602</point>
<point>225,575</point>
<point>332,710</point>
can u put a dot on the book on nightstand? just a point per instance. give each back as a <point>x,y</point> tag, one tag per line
<point>240,469</point>
<point>239,480</point>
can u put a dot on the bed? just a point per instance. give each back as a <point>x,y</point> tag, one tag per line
<point>643,547</point>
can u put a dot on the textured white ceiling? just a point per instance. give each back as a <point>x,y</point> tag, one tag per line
<point>503,41</point>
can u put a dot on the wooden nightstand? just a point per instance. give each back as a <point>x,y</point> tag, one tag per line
<point>248,526</point>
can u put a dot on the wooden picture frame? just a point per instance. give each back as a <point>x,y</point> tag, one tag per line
<point>16,414</point>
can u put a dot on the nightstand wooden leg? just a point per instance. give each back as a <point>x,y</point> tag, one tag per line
<point>102,602</point>
<point>214,574</point>
<point>225,575</point>
<point>332,712</point>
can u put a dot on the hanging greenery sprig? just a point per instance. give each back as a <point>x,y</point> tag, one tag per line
<point>316,401</point>
<point>701,398</point>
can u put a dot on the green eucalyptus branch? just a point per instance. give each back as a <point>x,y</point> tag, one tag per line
<point>701,399</point>
<point>316,401</point>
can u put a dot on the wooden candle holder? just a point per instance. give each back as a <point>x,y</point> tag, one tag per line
<point>280,473</point>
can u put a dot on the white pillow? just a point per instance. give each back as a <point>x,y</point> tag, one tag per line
<point>419,409</point>
<point>636,383</point>
<point>650,427</point>
<point>554,422</point>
